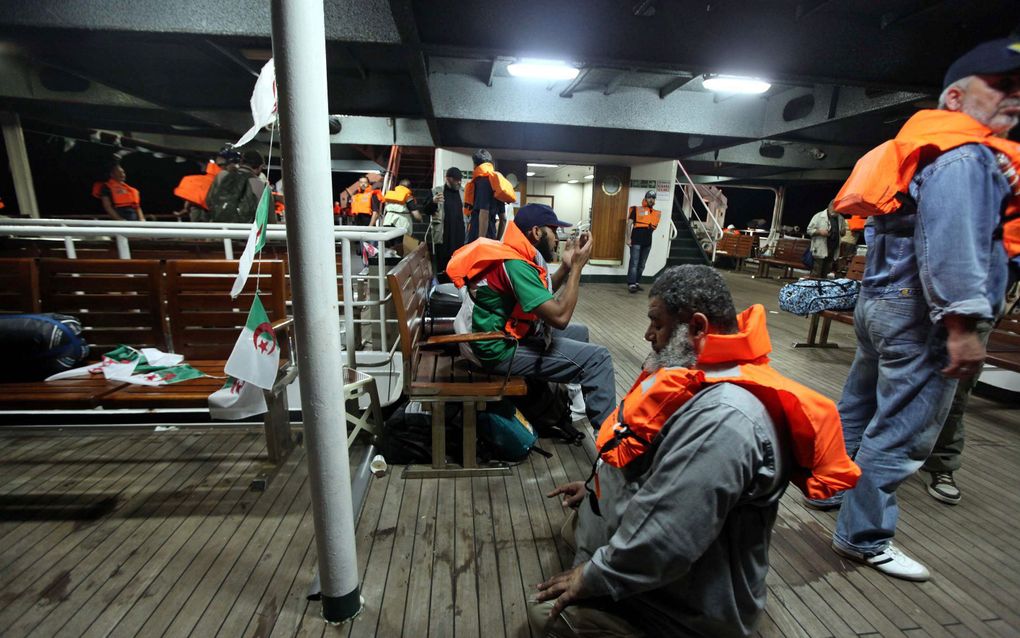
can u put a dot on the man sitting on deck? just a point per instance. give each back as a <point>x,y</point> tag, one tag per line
<point>674,539</point>
<point>509,292</point>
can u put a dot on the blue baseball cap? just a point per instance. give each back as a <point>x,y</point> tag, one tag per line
<point>994,57</point>
<point>531,215</point>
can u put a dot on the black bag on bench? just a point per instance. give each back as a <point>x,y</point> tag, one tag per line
<point>37,346</point>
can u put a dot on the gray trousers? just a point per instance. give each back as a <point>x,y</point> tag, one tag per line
<point>945,457</point>
<point>569,359</point>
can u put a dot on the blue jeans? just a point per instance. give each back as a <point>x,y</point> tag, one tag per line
<point>638,257</point>
<point>569,359</point>
<point>892,407</point>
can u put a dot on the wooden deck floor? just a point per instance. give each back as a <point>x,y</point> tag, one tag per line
<point>157,533</point>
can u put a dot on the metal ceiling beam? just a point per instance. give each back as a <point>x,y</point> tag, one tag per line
<point>829,106</point>
<point>794,155</point>
<point>576,82</point>
<point>674,85</point>
<point>346,20</point>
<point>492,71</point>
<point>233,56</point>
<point>894,17</point>
<point>402,15</point>
<point>615,82</point>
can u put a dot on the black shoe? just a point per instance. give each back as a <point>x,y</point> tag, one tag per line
<point>633,289</point>
<point>943,488</point>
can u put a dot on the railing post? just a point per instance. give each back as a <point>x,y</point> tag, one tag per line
<point>299,50</point>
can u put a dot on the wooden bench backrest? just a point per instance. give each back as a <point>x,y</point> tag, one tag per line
<point>204,320</point>
<point>791,249</point>
<point>738,246</point>
<point>409,283</point>
<point>19,286</point>
<point>117,301</point>
<point>856,268</point>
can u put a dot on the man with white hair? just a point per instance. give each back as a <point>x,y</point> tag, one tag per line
<point>936,269</point>
<point>673,537</point>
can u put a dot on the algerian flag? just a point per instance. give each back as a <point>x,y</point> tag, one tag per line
<point>237,400</point>
<point>166,376</point>
<point>263,102</point>
<point>256,241</point>
<point>255,357</point>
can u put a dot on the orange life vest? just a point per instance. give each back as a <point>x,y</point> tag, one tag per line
<point>502,189</point>
<point>194,188</point>
<point>812,422</point>
<point>471,260</point>
<point>361,203</point>
<point>398,195</point>
<point>122,195</point>
<point>880,180</point>
<point>855,223</point>
<point>645,217</point>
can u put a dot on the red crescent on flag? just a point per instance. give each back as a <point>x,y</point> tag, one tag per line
<point>260,346</point>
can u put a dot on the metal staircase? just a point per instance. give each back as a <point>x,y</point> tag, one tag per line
<point>685,247</point>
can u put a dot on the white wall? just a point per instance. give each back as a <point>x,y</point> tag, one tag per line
<point>568,199</point>
<point>446,159</point>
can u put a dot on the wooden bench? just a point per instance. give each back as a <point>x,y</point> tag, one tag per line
<point>736,247</point>
<point>19,286</point>
<point>788,254</point>
<point>434,372</point>
<point>856,272</point>
<point>1004,344</point>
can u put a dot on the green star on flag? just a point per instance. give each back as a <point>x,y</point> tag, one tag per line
<point>256,242</point>
<point>256,355</point>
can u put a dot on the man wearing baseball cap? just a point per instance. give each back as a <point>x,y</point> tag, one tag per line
<point>513,293</point>
<point>936,272</point>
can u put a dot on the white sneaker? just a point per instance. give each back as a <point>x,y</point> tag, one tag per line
<point>890,561</point>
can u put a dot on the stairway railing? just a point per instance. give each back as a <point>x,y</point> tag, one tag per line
<point>714,231</point>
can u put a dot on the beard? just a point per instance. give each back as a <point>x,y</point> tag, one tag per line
<point>677,353</point>
<point>545,250</point>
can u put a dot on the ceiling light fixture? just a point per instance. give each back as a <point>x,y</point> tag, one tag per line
<point>571,181</point>
<point>542,70</point>
<point>735,84</point>
<point>530,173</point>
<point>589,177</point>
<point>543,165</point>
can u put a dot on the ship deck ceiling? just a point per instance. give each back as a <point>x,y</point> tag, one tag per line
<point>144,533</point>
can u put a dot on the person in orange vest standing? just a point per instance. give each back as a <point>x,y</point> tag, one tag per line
<point>366,203</point>
<point>936,272</point>
<point>673,525</point>
<point>485,197</point>
<point>641,223</point>
<point>120,201</point>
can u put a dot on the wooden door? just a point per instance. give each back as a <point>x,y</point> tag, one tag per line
<point>609,213</point>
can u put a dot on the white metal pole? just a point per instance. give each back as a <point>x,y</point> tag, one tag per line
<point>228,248</point>
<point>351,338</point>
<point>299,50</point>
<point>123,249</point>
<point>17,157</point>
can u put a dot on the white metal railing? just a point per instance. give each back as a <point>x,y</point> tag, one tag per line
<point>123,231</point>
<point>715,232</point>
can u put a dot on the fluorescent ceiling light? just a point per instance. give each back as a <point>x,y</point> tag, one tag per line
<point>531,173</point>
<point>542,70</point>
<point>571,181</point>
<point>543,165</point>
<point>589,177</point>
<point>735,84</point>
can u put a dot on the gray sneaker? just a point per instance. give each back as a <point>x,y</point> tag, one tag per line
<point>943,488</point>
<point>890,561</point>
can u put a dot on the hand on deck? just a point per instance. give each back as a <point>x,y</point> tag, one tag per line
<point>566,588</point>
<point>573,493</point>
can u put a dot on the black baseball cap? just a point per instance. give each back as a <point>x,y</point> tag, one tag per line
<point>994,57</point>
<point>531,215</point>
<point>454,172</point>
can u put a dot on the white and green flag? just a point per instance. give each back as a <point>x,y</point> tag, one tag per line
<point>256,355</point>
<point>237,400</point>
<point>256,241</point>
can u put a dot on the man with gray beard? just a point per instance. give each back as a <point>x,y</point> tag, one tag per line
<point>673,526</point>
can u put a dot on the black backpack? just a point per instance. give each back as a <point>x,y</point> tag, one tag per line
<point>232,199</point>
<point>37,346</point>
<point>547,409</point>
<point>407,436</point>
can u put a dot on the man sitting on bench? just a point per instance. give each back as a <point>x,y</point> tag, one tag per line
<point>509,292</point>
